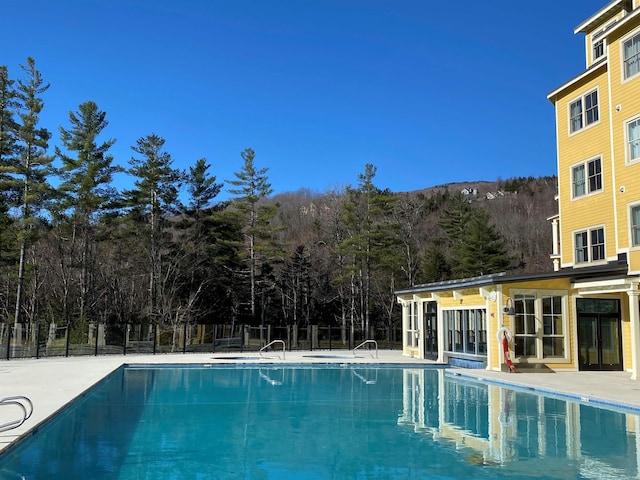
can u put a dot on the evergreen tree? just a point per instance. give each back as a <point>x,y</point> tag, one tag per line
<point>86,189</point>
<point>202,187</point>
<point>197,233</point>
<point>252,187</point>
<point>482,249</point>
<point>153,198</point>
<point>8,149</point>
<point>475,246</point>
<point>367,219</point>
<point>27,171</point>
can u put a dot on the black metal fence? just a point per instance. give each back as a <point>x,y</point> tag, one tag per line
<point>39,340</point>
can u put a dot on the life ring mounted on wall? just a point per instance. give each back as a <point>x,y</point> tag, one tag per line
<point>504,336</point>
<point>502,332</point>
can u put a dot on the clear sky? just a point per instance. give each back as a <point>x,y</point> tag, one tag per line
<point>428,91</point>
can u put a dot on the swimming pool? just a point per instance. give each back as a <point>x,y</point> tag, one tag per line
<point>322,422</point>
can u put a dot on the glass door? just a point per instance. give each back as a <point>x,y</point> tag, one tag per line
<point>430,330</point>
<point>599,337</point>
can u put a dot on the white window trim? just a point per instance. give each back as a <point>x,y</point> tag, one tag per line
<point>630,207</point>
<point>589,229</point>
<point>627,157</point>
<point>585,163</point>
<point>632,34</point>
<point>539,293</point>
<point>599,36</point>
<point>594,41</point>
<point>584,113</point>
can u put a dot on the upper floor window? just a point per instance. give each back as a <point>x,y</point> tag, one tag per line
<point>631,53</point>
<point>589,245</point>
<point>598,49</point>
<point>633,140</point>
<point>587,177</point>
<point>583,111</point>
<point>635,226</point>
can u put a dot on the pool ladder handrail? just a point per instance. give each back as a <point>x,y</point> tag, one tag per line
<point>24,404</point>
<point>284,347</point>
<point>365,343</point>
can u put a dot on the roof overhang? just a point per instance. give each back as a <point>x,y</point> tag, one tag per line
<point>585,276</point>
<point>601,16</point>
<point>589,71</point>
<point>601,287</point>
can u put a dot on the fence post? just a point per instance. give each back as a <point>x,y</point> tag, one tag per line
<point>126,337</point>
<point>214,334</point>
<point>67,340</point>
<point>38,340</point>
<point>95,344</point>
<point>8,339</point>
<point>184,338</point>
<point>155,336</point>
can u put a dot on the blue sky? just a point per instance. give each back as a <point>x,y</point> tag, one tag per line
<point>430,92</point>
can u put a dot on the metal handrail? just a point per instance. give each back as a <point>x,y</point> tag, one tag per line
<point>363,344</point>
<point>284,347</point>
<point>21,402</point>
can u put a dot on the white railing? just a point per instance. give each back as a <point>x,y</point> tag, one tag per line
<point>284,347</point>
<point>24,404</point>
<point>365,343</point>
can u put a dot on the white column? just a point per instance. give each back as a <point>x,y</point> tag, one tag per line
<point>634,317</point>
<point>420,327</point>
<point>405,324</point>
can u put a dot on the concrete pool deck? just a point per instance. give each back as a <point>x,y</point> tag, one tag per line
<point>52,383</point>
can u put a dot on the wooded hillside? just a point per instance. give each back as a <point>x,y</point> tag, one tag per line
<point>75,249</point>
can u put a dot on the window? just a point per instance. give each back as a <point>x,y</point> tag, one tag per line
<point>412,333</point>
<point>631,56</point>
<point>539,325</point>
<point>525,325</point>
<point>466,331</point>
<point>598,49</point>
<point>587,177</point>
<point>589,245</point>
<point>633,139</point>
<point>552,327</point>
<point>635,226</point>
<point>583,111</point>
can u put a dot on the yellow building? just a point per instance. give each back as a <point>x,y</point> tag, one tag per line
<point>583,314</point>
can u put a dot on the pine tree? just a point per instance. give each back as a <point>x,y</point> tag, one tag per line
<point>8,149</point>
<point>482,250</point>
<point>153,198</point>
<point>475,245</point>
<point>252,188</point>
<point>28,170</point>
<point>368,211</point>
<point>86,189</point>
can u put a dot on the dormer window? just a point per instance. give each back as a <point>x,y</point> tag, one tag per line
<point>598,49</point>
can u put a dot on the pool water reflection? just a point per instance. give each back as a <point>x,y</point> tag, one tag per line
<point>319,422</point>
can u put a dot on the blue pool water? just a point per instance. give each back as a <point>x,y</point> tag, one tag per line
<point>311,422</point>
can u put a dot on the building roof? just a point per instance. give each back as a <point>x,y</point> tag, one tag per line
<point>593,68</point>
<point>609,270</point>
<point>601,16</point>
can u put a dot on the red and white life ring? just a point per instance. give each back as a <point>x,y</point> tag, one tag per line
<point>502,331</point>
<point>504,336</point>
